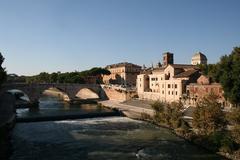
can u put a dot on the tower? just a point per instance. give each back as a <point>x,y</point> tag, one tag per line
<point>167,59</point>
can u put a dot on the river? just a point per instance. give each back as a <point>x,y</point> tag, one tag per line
<point>109,138</point>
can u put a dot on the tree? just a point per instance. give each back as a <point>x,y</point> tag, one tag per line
<point>3,73</point>
<point>168,114</point>
<point>175,112</point>
<point>228,71</point>
<point>210,70</point>
<point>44,77</point>
<point>54,77</point>
<point>159,108</point>
<point>234,119</point>
<point>208,116</point>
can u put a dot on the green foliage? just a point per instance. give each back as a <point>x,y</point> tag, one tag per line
<point>210,70</point>
<point>3,74</point>
<point>175,113</point>
<point>68,77</point>
<point>228,72</point>
<point>158,107</point>
<point>168,114</point>
<point>220,141</point>
<point>208,116</point>
<point>234,119</point>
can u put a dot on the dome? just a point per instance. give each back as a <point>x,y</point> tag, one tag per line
<point>199,58</point>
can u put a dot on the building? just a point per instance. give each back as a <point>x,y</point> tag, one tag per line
<point>122,74</point>
<point>199,58</point>
<point>203,86</point>
<point>167,83</point>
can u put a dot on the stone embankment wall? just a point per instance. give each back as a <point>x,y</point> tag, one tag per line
<point>119,95</point>
<point>7,121</point>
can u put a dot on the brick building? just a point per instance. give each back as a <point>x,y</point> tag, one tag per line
<point>196,91</point>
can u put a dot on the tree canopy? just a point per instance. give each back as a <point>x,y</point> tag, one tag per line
<point>3,73</point>
<point>208,116</point>
<point>68,77</point>
<point>229,75</point>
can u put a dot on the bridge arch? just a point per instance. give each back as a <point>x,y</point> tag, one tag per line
<point>19,95</point>
<point>56,92</point>
<point>87,93</point>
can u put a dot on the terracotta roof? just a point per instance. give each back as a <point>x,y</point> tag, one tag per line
<point>184,66</point>
<point>186,73</point>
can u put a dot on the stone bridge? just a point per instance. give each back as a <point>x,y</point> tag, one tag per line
<point>35,91</point>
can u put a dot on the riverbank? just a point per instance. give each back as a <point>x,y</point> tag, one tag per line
<point>142,110</point>
<point>130,111</point>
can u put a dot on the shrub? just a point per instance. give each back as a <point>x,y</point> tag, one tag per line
<point>208,116</point>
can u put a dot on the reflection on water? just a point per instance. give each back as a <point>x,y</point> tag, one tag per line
<point>52,106</point>
<point>113,138</point>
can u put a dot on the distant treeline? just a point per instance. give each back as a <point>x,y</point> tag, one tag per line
<point>58,77</point>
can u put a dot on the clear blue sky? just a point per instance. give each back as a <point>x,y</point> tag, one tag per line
<point>68,35</point>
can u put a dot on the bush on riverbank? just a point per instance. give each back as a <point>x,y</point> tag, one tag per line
<point>209,125</point>
<point>208,116</point>
<point>168,114</point>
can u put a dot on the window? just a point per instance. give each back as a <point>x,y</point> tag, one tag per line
<point>175,85</point>
<point>169,86</point>
<point>168,92</point>
<point>172,92</point>
<point>176,92</point>
<point>162,92</point>
<point>156,79</point>
<point>162,85</point>
<point>140,85</point>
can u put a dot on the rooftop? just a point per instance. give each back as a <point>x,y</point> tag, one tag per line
<point>122,64</point>
<point>186,73</point>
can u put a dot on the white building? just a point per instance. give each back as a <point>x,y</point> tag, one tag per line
<point>167,83</point>
<point>199,58</point>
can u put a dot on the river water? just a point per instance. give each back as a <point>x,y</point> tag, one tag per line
<point>111,138</point>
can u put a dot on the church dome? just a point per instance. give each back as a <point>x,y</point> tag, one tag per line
<point>199,55</point>
<point>199,58</point>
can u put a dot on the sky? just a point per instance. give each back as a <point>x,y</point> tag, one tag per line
<point>75,35</point>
